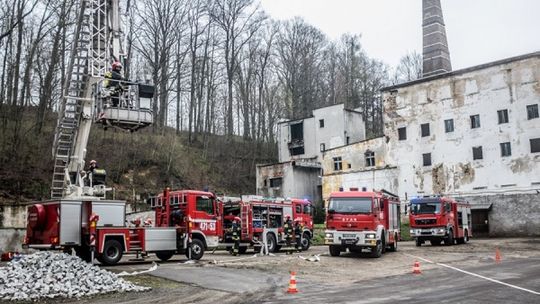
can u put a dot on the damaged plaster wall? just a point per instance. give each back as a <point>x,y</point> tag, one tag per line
<point>354,173</point>
<point>297,181</point>
<point>511,86</point>
<point>511,214</point>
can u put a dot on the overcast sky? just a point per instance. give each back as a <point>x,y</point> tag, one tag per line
<point>478,31</point>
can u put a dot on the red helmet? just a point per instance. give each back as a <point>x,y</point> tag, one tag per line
<point>116,65</point>
<point>288,217</point>
<point>236,219</point>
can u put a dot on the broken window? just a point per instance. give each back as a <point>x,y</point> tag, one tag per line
<point>265,183</point>
<point>532,111</point>
<point>506,150</point>
<point>425,129</point>
<point>535,145</point>
<point>426,159</point>
<point>321,123</point>
<point>449,125</point>
<point>323,147</point>
<point>503,116</point>
<point>477,153</point>
<point>338,165</point>
<point>402,133</point>
<point>296,145</point>
<point>475,121</point>
<point>276,182</point>
<point>370,158</point>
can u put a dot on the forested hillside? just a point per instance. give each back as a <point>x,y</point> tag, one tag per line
<point>225,73</point>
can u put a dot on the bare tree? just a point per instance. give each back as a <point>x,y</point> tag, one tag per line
<point>409,68</point>
<point>238,21</point>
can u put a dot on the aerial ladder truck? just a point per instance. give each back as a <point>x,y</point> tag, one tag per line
<point>78,211</point>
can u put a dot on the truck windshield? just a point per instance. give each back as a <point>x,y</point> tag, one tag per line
<point>425,207</point>
<point>350,205</point>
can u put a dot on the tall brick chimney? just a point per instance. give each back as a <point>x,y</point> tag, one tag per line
<point>436,56</point>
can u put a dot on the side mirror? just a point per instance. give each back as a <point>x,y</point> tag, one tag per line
<point>331,211</point>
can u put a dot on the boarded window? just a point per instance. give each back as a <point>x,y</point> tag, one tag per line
<point>477,152</point>
<point>535,145</point>
<point>506,149</point>
<point>276,182</point>
<point>532,111</point>
<point>449,125</point>
<point>370,158</point>
<point>475,121</point>
<point>402,133</point>
<point>338,165</point>
<point>425,129</point>
<point>503,116</point>
<point>426,159</point>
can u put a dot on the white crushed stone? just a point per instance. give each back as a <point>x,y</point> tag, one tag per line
<point>50,275</point>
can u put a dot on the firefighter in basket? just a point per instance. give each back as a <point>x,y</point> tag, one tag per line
<point>113,83</point>
<point>298,234</point>
<point>236,235</point>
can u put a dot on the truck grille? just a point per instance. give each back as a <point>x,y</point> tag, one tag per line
<point>426,222</point>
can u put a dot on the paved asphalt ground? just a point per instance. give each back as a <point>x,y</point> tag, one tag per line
<point>455,274</point>
<point>441,285</point>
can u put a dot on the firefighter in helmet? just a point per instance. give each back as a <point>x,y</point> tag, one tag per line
<point>298,234</point>
<point>113,83</point>
<point>288,229</point>
<point>236,235</point>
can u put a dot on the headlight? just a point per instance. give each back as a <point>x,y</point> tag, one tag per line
<point>329,235</point>
<point>412,231</point>
<point>441,230</point>
<point>370,236</point>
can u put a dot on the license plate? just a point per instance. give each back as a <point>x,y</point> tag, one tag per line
<point>349,235</point>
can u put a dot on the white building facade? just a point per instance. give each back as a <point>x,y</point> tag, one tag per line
<point>301,144</point>
<point>472,133</point>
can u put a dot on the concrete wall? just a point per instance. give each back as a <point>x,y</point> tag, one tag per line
<point>13,216</point>
<point>511,214</point>
<point>11,239</point>
<point>298,182</point>
<point>512,86</point>
<point>354,172</point>
<point>338,124</point>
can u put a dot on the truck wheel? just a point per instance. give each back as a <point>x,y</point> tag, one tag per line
<point>377,251</point>
<point>164,255</point>
<point>242,249</point>
<point>418,242</point>
<point>112,252</point>
<point>450,240</point>
<point>271,241</point>
<point>306,242</point>
<point>393,246</point>
<point>435,242</point>
<point>196,248</point>
<point>334,250</point>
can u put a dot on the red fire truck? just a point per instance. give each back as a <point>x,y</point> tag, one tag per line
<point>260,215</point>
<point>358,220</point>
<point>437,219</point>
<point>186,221</point>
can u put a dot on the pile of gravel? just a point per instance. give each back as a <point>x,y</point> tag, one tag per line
<point>49,275</point>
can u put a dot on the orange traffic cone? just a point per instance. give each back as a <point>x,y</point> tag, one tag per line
<point>416,268</point>
<point>497,255</point>
<point>292,283</point>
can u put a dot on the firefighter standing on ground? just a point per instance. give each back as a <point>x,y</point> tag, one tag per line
<point>112,83</point>
<point>298,235</point>
<point>236,236</point>
<point>288,229</point>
